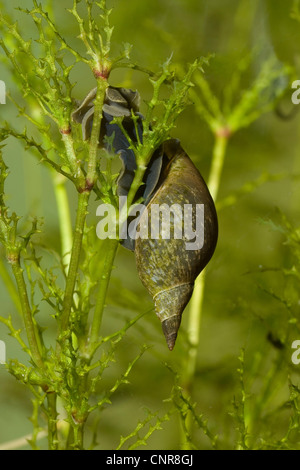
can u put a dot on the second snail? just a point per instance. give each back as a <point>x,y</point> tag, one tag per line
<point>165,266</point>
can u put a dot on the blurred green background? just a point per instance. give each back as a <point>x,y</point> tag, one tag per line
<point>239,312</point>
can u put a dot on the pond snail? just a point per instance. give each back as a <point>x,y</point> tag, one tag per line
<point>165,266</point>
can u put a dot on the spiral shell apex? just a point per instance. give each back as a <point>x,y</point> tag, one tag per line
<point>165,266</point>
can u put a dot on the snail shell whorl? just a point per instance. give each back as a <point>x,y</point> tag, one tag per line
<point>169,305</point>
<point>166,268</point>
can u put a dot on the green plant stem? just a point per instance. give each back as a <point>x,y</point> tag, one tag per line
<point>195,312</point>
<point>144,158</point>
<point>98,103</point>
<point>52,422</point>
<point>137,180</point>
<point>219,153</point>
<point>78,436</point>
<point>33,336</point>
<point>83,199</point>
<point>110,253</point>
<point>10,286</point>
<point>63,209</point>
<point>196,304</point>
<point>71,156</point>
<point>194,324</point>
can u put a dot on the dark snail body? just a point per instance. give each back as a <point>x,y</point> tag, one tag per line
<point>165,266</point>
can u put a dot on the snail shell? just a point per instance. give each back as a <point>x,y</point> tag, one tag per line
<point>166,268</point>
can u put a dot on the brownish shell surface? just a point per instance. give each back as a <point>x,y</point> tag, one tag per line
<point>166,268</point>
